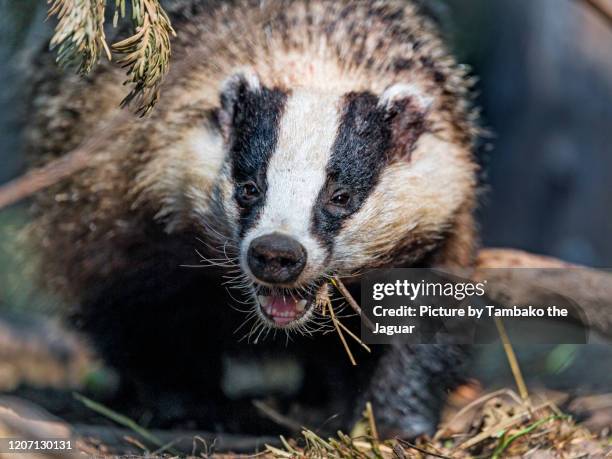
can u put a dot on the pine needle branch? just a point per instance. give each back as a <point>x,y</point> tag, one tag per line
<point>80,39</point>
<point>79,35</point>
<point>146,54</point>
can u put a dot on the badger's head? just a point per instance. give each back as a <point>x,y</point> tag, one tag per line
<point>324,183</point>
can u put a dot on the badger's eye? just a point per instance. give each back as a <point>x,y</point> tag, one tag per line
<point>340,198</point>
<point>247,193</point>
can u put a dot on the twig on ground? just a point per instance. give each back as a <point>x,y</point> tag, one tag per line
<point>287,446</point>
<point>399,452</point>
<point>512,360</point>
<point>122,420</point>
<point>494,430</point>
<point>474,404</point>
<point>277,417</point>
<point>137,443</point>
<point>372,422</point>
<point>421,450</point>
<point>497,453</point>
<point>277,452</point>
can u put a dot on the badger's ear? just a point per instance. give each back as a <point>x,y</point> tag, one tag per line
<point>235,90</point>
<point>407,107</point>
<point>406,94</point>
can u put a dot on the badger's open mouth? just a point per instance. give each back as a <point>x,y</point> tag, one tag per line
<point>282,310</point>
<point>286,308</point>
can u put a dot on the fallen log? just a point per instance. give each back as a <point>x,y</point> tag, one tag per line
<point>21,419</point>
<point>588,287</point>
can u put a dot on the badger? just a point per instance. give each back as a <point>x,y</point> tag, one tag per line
<point>294,141</point>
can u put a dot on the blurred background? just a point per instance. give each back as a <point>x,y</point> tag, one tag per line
<point>545,71</point>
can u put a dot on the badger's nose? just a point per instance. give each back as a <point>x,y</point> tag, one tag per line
<point>276,258</point>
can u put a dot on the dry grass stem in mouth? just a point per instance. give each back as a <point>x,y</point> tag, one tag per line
<point>340,334</point>
<point>323,301</point>
<point>355,337</point>
<point>351,301</point>
<point>512,360</point>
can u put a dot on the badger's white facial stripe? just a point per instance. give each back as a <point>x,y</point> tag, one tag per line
<point>296,172</point>
<point>206,149</point>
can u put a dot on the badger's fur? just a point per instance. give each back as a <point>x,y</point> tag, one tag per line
<point>342,129</point>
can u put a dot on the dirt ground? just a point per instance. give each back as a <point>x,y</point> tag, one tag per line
<point>41,365</point>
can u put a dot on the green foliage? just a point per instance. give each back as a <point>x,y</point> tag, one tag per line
<point>80,40</point>
<point>561,358</point>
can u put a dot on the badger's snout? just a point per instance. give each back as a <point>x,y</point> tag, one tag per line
<point>276,258</point>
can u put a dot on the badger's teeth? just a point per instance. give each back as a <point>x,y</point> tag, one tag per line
<point>300,305</point>
<point>264,300</point>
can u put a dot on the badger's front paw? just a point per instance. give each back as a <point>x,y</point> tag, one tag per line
<point>407,417</point>
<point>407,390</point>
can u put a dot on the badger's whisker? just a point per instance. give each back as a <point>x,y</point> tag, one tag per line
<point>268,329</point>
<point>256,325</point>
<point>247,301</point>
<point>212,248</point>
<point>252,315</point>
<point>263,328</point>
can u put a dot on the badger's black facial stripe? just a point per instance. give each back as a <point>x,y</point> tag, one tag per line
<point>370,136</point>
<point>253,134</point>
<point>358,156</point>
